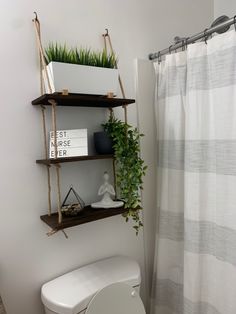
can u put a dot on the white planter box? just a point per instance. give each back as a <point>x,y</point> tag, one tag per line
<point>82,79</point>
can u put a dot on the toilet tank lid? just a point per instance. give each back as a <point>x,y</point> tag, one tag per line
<point>71,293</point>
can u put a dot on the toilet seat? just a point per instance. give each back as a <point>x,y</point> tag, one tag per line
<point>117,298</point>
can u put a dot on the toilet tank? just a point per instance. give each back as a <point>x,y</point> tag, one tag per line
<point>72,292</point>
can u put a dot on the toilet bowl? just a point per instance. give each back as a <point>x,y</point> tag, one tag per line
<point>109,286</point>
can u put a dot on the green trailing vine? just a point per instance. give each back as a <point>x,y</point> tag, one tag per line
<point>130,167</point>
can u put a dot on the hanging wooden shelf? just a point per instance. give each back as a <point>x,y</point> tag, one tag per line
<point>87,215</point>
<point>54,161</point>
<point>56,220</point>
<point>81,100</point>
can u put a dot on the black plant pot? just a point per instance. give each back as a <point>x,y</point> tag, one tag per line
<point>103,143</point>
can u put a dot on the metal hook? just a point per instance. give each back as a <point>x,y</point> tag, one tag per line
<point>235,22</point>
<point>36,17</point>
<point>106,34</point>
<point>159,57</point>
<point>205,35</point>
<point>183,44</point>
<point>170,49</point>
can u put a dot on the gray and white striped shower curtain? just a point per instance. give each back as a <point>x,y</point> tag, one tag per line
<point>195,263</point>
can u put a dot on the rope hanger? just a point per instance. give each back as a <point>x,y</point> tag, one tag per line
<point>43,67</point>
<point>107,39</point>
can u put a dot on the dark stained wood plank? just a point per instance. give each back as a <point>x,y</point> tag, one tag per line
<point>72,159</point>
<point>81,100</point>
<point>87,215</point>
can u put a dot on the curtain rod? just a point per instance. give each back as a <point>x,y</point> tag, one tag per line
<point>183,42</point>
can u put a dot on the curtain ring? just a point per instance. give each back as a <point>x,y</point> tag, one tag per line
<point>170,49</point>
<point>159,57</point>
<point>205,35</point>
<point>235,22</point>
<point>186,42</point>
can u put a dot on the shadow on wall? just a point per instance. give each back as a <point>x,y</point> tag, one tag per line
<point>2,310</point>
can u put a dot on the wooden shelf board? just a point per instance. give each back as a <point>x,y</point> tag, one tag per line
<point>87,215</point>
<point>72,159</point>
<point>81,100</point>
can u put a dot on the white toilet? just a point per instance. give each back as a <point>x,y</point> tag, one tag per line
<point>109,286</point>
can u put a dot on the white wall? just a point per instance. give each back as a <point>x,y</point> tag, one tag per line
<point>224,7</point>
<point>146,121</point>
<point>27,257</point>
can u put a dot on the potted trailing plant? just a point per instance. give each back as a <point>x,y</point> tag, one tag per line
<point>81,70</point>
<point>130,167</point>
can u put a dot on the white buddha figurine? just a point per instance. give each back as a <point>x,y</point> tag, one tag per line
<point>107,190</point>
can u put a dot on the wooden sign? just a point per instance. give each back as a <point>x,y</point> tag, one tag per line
<point>70,143</point>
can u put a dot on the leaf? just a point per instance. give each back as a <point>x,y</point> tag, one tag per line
<point>130,167</point>
<point>84,56</point>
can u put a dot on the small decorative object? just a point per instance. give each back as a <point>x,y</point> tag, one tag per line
<point>107,190</point>
<point>81,70</point>
<point>70,143</point>
<point>72,204</point>
<point>103,143</point>
<point>110,95</point>
<point>65,92</point>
